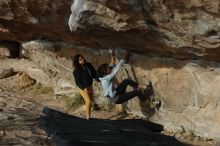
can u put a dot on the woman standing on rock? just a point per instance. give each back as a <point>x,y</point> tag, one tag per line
<point>84,73</point>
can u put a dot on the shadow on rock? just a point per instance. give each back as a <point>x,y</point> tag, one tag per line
<point>67,130</point>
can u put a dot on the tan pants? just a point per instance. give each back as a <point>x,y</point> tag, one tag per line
<point>88,97</point>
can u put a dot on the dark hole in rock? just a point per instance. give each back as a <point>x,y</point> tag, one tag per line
<point>10,49</point>
<point>211,33</point>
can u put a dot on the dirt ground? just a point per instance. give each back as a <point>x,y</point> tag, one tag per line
<point>20,110</point>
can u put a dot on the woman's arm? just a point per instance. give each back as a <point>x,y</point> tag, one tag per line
<point>119,65</point>
<point>93,72</point>
<point>77,78</point>
<point>115,70</point>
<point>113,58</point>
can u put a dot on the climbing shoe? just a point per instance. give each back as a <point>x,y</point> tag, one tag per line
<point>154,102</point>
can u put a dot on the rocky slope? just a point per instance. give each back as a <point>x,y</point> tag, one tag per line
<point>175,44</point>
<point>19,121</point>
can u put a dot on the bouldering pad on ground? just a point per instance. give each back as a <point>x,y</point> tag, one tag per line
<point>68,130</point>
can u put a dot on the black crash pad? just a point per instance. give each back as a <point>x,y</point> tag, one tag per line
<point>68,130</point>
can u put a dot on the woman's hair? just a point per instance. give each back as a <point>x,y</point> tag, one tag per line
<point>101,70</point>
<point>75,60</point>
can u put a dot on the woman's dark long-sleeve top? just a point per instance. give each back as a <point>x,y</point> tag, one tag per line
<point>84,75</point>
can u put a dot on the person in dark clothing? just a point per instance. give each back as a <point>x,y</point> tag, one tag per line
<point>84,73</point>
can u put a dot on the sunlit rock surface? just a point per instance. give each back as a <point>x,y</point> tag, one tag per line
<point>175,44</point>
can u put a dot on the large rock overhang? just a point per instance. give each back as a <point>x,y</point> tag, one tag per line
<point>181,30</point>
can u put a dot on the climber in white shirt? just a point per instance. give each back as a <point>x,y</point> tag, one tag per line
<point>118,95</point>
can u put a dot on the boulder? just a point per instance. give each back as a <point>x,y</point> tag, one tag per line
<point>189,90</point>
<point>28,67</point>
<point>175,44</point>
<point>183,29</point>
<point>23,80</point>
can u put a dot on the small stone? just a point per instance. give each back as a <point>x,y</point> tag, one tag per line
<point>44,136</point>
<point>196,138</point>
<point>189,138</point>
<point>2,133</point>
<point>178,135</point>
<point>187,134</point>
<point>211,142</point>
<point>23,80</point>
<point>23,133</point>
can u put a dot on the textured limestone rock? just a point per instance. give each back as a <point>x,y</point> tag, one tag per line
<point>166,31</point>
<point>189,90</point>
<point>30,68</point>
<point>4,52</point>
<point>55,60</point>
<point>183,29</point>
<point>49,57</point>
<point>23,80</point>
<point>24,20</point>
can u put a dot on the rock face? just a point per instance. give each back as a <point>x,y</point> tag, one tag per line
<point>55,61</point>
<point>23,80</point>
<point>24,20</point>
<point>189,90</point>
<point>178,41</point>
<point>183,29</point>
<point>19,124</point>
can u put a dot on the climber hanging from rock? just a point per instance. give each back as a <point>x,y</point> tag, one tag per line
<point>119,95</point>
